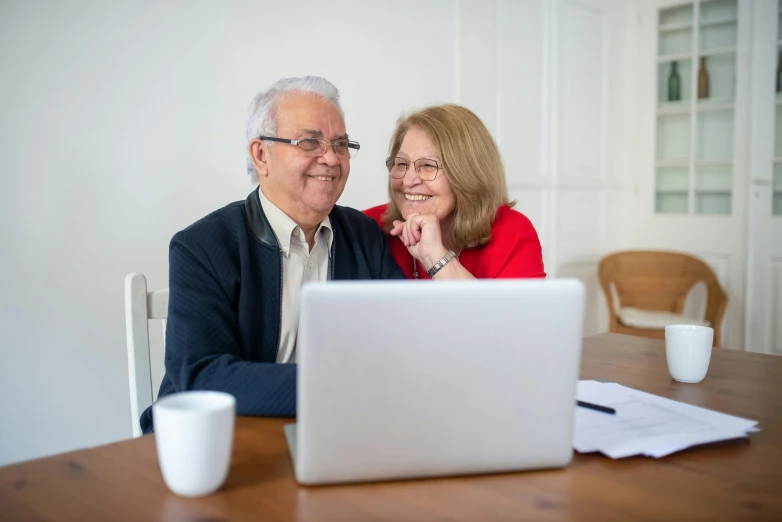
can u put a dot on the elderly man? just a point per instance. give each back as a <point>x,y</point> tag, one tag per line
<point>235,276</point>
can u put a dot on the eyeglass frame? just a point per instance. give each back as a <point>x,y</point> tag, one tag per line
<point>415,166</point>
<point>351,144</point>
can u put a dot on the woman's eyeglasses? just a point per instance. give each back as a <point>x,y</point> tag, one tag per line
<point>426,169</point>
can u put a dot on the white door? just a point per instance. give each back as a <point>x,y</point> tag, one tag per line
<point>692,176</point>
<point>764,278</point>
<point>589,182</point>
<point>547,78</point>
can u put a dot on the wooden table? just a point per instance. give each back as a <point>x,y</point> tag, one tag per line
<point>733,481</point>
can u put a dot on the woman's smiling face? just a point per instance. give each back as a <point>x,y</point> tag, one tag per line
<point>414,195</point>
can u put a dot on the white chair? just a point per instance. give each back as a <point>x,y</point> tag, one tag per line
<point>140,307</point>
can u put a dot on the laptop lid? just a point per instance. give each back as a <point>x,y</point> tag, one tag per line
<point>413,379</point>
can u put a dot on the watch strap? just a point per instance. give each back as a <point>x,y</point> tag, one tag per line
<point>440,264</point>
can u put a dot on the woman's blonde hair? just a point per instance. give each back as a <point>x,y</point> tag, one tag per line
<point>472,164</point>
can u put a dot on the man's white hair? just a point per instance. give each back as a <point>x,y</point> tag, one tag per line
<point>261,115</point>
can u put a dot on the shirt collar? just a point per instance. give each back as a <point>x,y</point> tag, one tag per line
<point>283,226</point>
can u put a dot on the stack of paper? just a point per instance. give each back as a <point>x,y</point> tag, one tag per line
<point>645,424</point>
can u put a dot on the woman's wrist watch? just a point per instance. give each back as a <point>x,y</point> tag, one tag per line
<point>440,264</point>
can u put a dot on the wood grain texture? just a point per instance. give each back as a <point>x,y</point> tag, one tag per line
<point>734,481</point>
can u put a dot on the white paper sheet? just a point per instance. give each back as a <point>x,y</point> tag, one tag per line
<point>646,424</point>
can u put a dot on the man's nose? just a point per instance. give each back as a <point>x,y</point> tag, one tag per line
<point>329,157</point>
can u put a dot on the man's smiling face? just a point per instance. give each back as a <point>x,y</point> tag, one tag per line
<point>306,188</point>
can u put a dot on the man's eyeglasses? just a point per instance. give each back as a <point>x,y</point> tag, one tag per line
<point>317,147</point>
<point>426,169</point>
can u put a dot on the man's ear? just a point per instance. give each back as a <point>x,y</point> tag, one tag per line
<point>258,152</point>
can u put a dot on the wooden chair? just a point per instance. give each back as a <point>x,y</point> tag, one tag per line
<point>647,289</point>
<point>140,307</point>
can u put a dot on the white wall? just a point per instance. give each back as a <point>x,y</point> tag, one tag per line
<point>121,124</point>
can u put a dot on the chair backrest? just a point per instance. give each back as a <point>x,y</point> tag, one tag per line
<point>659,280</point>
<point>140,307</point>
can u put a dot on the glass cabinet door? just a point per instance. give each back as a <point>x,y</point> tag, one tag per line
<point>696,85</point>
<point>776,194</point>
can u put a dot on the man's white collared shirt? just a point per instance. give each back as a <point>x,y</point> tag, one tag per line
<point>299,266</point>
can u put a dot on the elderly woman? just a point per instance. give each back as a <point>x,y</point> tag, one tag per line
<point>449,209</point>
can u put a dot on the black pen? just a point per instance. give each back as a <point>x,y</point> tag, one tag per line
<point>596,407</point>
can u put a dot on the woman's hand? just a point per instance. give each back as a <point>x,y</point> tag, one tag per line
<point>421,234</point>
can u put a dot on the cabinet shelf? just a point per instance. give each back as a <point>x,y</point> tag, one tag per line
<point>717,51</point>
<point>725,162</point>
<point>719,21</point>
<point>666,108</point>
<point>673,108</point>
<point>715,105</point>
<point>702,192</point>
<point>716,192</point>
<point>670,28</point>
<point>676,57</point>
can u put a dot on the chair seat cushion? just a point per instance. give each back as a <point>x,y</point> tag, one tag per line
<point>654,319</point>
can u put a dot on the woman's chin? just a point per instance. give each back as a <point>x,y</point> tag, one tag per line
<point>415,207</point>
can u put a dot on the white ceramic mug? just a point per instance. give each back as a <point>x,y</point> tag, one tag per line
<point>194,437</point>
<point>688,351</point>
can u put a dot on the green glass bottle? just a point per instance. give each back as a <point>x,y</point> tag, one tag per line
<point>674,83</point>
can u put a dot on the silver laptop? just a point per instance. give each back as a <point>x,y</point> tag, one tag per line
<point>418,379</point>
